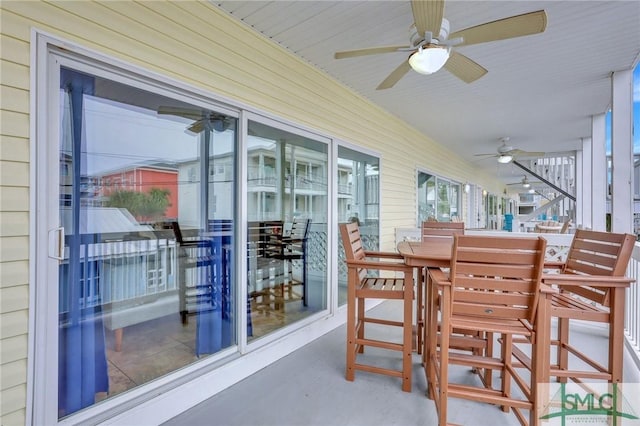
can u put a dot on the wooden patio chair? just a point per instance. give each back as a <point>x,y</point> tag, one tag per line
<point>491,288</point>
<point>591,286</point>
<point>431,229</point>
<point>365,281</point>
<point>288,246</point>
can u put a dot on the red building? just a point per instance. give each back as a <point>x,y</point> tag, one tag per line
<point>144,179</point>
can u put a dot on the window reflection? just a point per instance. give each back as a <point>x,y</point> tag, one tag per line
<point>358,201</point>
<point>145,286</point>
<point>287,203</point>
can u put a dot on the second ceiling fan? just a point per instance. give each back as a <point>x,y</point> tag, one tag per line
<point>431,44</point>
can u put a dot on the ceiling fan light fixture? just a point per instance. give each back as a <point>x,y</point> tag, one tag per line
<point>429,58</point>
<point>505,158</point>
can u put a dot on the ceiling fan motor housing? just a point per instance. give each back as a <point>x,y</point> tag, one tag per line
<point>417,40</point>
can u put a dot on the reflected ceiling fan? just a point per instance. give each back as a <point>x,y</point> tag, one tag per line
<point>525,183</point>
<point>506,153</point>
<point>202,119</point>
<point>431,44</point>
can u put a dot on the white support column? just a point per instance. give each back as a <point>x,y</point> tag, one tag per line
<point>598,173</point>
<point>583,186</point>
<point>622,152</point>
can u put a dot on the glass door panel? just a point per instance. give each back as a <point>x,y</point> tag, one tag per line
<point>287,203</point>
<point>358,201</point>
<point>145,283</point>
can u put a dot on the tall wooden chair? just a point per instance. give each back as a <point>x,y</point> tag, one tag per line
<point>290,246</point>
<point>431,229</point>
<point>364,283</point>
<point>492,287</point>
<point>591,287</point>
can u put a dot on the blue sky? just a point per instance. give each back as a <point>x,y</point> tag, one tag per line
<point>636,114</point>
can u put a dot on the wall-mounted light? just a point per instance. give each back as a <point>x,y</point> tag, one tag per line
<point>467,188</point>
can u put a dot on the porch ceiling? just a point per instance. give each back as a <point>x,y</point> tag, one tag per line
<point>540,90</point>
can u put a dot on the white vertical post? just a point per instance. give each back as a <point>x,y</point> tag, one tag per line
<point>582,157</point>
<point>598,173</point>
<point>622,152</point>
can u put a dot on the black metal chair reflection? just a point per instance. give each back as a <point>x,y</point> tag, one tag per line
<point>290,246</point>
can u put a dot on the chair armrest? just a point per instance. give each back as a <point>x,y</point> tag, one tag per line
<point>383,254</point>
<point>389,266</point>
<point>437,274</point>
<point>590,280</point>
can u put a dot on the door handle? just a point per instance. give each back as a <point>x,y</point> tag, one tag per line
<point>56,243</point>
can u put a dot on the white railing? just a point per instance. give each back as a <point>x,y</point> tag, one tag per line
<point>632,308</point>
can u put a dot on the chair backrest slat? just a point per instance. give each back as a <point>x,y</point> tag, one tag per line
<point>299,229</point>
<point>598,253</point>
<point>352,243</point>
<point>496,277</point>
<point>441,229</point>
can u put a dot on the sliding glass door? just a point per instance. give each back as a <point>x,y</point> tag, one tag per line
<point>358,201</point>
<point>287,205</point>
<point>146,222</point>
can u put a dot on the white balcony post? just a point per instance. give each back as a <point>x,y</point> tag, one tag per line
<point>622,152</point>
<point>598,173</point>
<point>583,185</point>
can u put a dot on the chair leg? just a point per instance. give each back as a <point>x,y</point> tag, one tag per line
<point>351,330</point>
<point>443,380</point>
<point>431,344</point>
<point>420,305</point>
<point>407,329</point>
<point>563,340</point>
<point>506,350</point>
<point>360,322</point>
<point>616,334</point>
<point>540,363</point>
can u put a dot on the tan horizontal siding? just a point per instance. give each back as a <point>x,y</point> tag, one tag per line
<point>15,49</point>
<point>14,248</point>
<point>14,173</point>
<point>14,298</point>
<point>12,400</point>
<point>14,349</point>
<point>15,418</point>
<point>14,99</point>
<point>14,273</point>
<point>13,224</point>
<point>13,324</point>
<point>14,149</point>
<point>14,199</point>
<point>14,75</point>
<point>14,124</point>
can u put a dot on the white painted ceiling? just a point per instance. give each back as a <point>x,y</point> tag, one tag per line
<point>540,90</point>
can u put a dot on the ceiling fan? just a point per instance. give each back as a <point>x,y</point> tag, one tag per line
<point>430,42</point>
<point>506,153</point>
<point>525,183</point>
<point>203,119</point>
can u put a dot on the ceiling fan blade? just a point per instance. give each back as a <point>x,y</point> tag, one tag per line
<point>514,26</point>
<point>196,127</point>
<point>395,76</point>
<point>369,51</point>
<point>464,68</point>
<point>191,113</point>
<point>427,15</point>
<point>486,155</point>
<point>521,153</point>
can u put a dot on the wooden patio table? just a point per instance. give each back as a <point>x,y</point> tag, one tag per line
<point>432,252</point>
